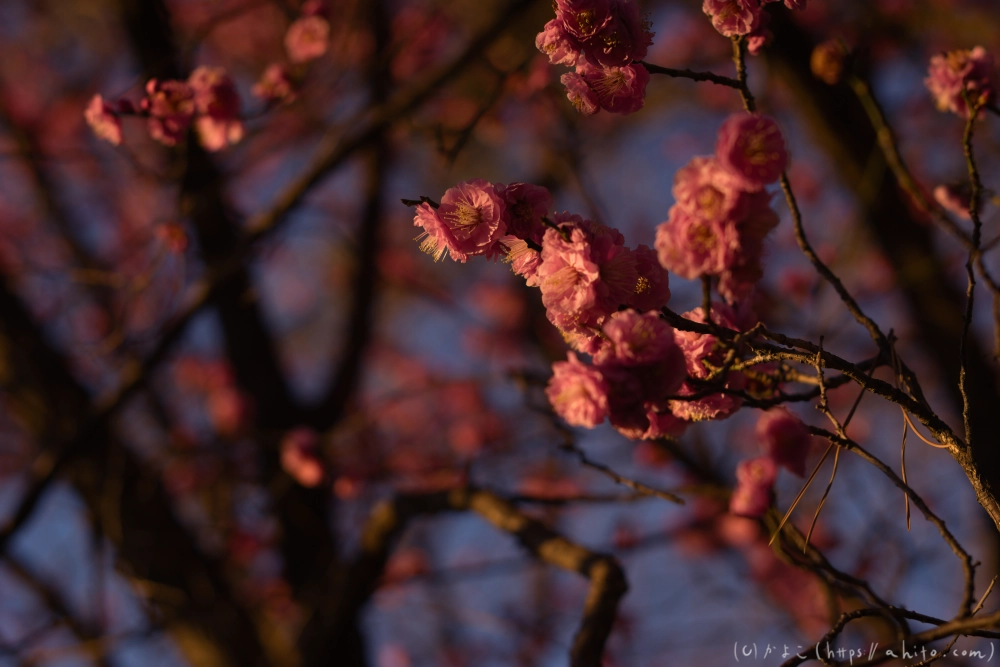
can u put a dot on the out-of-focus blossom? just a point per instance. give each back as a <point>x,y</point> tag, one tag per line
<point>956,199</point>
<point>300,457</point>
<point>691,246</point>
<point>218,107</point>
<point>578,392</point>
<point>754,487</point>
<point>103,120</point>
<point>955,75</point>
<point>275,85</point>
<point>751,148</point>
<point>827,61</point>
<point>307,39</point>
<point>170,106</point>
<point>784,438</point>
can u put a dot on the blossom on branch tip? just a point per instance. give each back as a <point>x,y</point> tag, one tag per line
<point>103,120</point>
<point>956,199</point>
<point>733,17</point>
<point>624,39</point>
<point>751,148</point>
<point>955,75</point>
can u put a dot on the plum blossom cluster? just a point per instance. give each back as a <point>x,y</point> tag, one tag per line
<point>306,39</point>
<point>785,442</point>
<point>604,297</point>
<point>733,18</point>
<point>722,212</point>
<point>207,100</point>
<point>957,78</point>
<point>601,40</point>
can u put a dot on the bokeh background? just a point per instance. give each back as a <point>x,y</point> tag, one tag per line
<point>173,534</point>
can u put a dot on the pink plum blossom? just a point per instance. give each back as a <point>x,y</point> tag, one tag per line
<point>706,190</point>
<point>580,94</point>
<point>754,487</point>
<point>623,39</point>
<point>751,148</point>
<point>558,44</point>
<point>692,247</point>
<point>578,392</point>
<point>436,239</point>
<point>652,287</point>
<point>701,348</point>
<point>103,120</point>
<point>733,17</point>
<point>525,205</point>
<point>745,268</point>
<point>955,74</point>
<point>784,438</point>
<point>307,39</point>
<point>618,89</point>
<point>218,107</point>
<point>583,18</point>
<point>524,260</point>
<point>473,214</point>
<point>171,107</point>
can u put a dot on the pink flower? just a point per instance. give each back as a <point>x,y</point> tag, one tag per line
<point>473,213</point>
<point>436,239</point>
<point>581,95</point>
<point>956,199</point>
<point>170,105</point>
<point>622,40</point>
<point>524,260</point>
<point>578,392</point>
<point>618,89</point>
<point>275,85</point>
<point>307,39</point>
<point>568,273</point>
<point>218,105</point>
<point>699,349</point>
<point>706,190</point>
<point>692,247</point>
<point>754,487</point>
<point>744,270</point>
<point>954,74</point>
<point>558,44</point>
<point>300,457</point>
<point>752,149</point>
<point>638,339</point>
<point>652,287</point>
<point>733,17</point>
<point>583,18</point>
<point>784,438</point>
<point>103,121</point>
<point>525,205</point>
